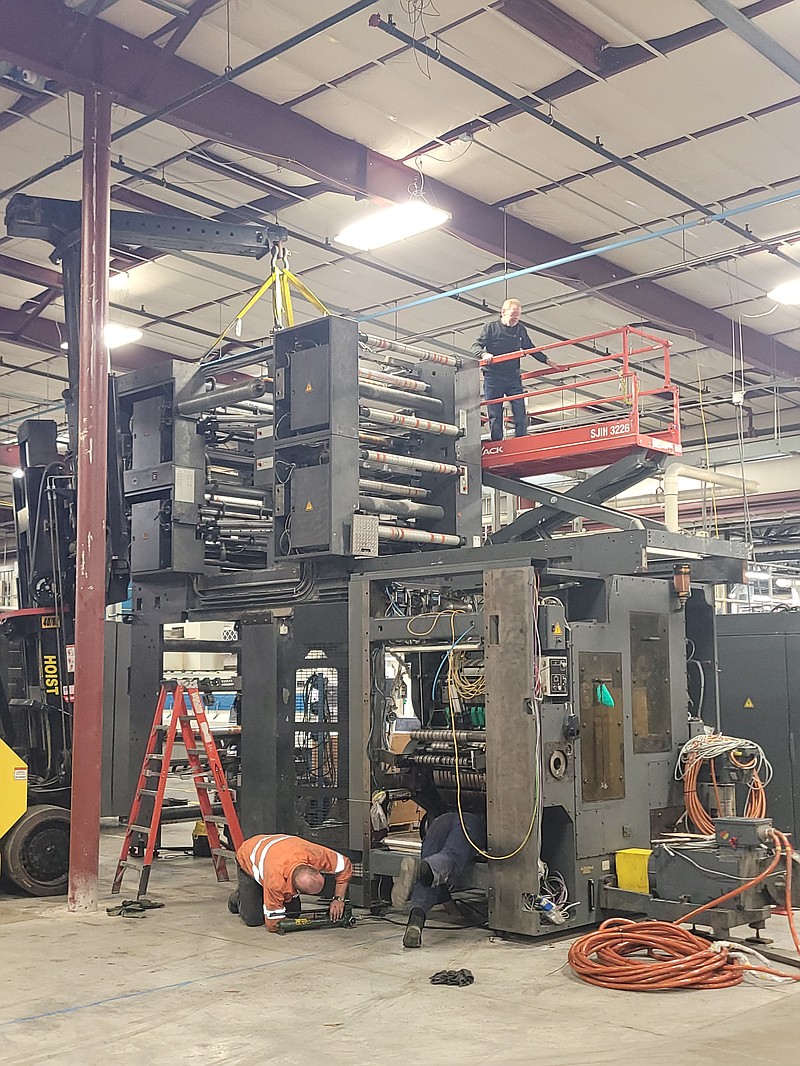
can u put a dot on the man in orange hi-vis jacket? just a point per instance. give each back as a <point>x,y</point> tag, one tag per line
<point>274,870</point>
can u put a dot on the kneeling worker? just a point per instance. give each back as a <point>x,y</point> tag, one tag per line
<point>446,853</point>
<point>274,870</point>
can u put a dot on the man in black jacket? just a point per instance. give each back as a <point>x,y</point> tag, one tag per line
<point>503,379</point>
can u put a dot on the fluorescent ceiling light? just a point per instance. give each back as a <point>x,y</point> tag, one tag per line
<point>787,293</point>
<point>116,336</point>
<point>392,224</point>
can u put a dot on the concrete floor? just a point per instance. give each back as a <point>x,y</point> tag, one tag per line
<point>190,984</point>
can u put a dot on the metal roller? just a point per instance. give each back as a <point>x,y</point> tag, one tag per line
<point>221,488</point>
<point>417,536</point>
<point>391,488</point>
<point>406,349</point>
<point>421,425</point>
<point>407,462</point>
<point>250,390</point>
<point>470,780</point>
<point>443,762</point>
<point>377,440</point>
<point>402,508</point>
<point>465,736</point>
<point>401,398</point>
<point>393,380</point>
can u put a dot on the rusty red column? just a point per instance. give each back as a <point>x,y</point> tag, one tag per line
<point>90,592</point>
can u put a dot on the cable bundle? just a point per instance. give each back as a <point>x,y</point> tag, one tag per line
<point>707,747</point>
<point>651,957</point>
<point>657,956</point>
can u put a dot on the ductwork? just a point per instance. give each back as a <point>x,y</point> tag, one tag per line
<point>708,477</point>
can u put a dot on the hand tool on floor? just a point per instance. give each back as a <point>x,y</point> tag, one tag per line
<point>318,919</point>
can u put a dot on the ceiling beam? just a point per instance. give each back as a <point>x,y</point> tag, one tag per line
<point>744,28</point>
<point>45,335</point>
<point>613,60</point>
<point>44,277</point>
<point>32,35</point>
<point>560,30</point>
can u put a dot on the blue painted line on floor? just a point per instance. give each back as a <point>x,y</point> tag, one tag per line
<point>150,991</point>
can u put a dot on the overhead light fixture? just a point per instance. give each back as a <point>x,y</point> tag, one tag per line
<point>392,224</point>
<point>787,293</point>
<point>116,336</point>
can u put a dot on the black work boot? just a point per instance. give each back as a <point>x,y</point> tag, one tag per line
<point>412,937</point>
<point>233,902</point>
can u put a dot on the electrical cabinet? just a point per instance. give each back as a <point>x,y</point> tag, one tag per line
<point>759,662</point>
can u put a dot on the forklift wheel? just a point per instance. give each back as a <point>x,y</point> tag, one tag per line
<point>35,851</point>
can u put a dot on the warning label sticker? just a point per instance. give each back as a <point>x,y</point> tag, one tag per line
<point>309,506</point>
<point>50,621</point>
<point>20,773</point>
<point>70,649</point>
<point>748,704</point>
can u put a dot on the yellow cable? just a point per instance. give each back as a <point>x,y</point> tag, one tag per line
<point>480,851</point>
<point>436,615</point>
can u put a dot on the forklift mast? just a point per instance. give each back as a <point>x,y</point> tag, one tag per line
<point>39,726</point>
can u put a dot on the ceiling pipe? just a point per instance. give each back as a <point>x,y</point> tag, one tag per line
<point>708,477</point>
<point>628,242</point>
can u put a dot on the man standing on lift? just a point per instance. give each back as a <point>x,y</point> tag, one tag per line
<point>503,379</point>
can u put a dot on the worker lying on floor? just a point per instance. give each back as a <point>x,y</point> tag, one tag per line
<point>274,870</point>
<point>446,853</point>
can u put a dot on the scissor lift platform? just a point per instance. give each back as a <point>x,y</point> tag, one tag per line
<point>603,423</point>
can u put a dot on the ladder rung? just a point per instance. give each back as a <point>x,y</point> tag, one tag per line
<point>223,853</point>
<point>137,866</point>
<point>148,791</point>
<point>195,751</point>
<point>151,773</point>
<point>155,755</point>
<point>139,828</point>
<point>205,784</point>
<point>216,819</point>
<point>160,728</point>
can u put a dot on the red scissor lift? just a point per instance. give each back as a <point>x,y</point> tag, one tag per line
<point>600,416</point>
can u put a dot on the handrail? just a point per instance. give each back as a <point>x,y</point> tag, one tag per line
<point>624,332</point>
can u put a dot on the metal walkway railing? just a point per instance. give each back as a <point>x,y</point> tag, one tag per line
<point>602,413</point>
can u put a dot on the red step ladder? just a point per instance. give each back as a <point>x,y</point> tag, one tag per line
<point>148,800</point>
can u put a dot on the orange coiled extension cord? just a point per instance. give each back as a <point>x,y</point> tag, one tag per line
<point>657,956</point>
<point>756,806</point>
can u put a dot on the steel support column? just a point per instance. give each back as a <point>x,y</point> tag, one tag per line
<point>90,597</point>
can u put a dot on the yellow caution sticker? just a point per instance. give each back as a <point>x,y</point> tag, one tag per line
<point>309,387</point>
<point>309,506</point>
<point>748,704</point>
<point>556,630</point>
<point>50,621</point>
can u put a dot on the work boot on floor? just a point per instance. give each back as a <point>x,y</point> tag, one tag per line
<point>412,938</point>
<point>405,881</point>
<point>233,902</point>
